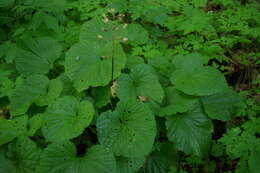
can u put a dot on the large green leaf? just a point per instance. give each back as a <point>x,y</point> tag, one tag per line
<point>90,64</point>
<point>37,56</point>
<point>21,156</point>
<point>129,165</point>
<point>61,157</point>
<point>189,61</point>
<point>142,81</point>
<point>9,129</point>
<point>202,81</point>
<point>191,131</point>
<point>26,92</point>
<point>221,106</point>
<point>129,131</point>
<point>177,102</point>
<point>99,53</point>
<point>66,118</point>
<point>102,32</point>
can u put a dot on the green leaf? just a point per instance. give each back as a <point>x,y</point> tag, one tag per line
<point>37,56</point>
<point>6,84</point>
<point>193,20</point>
<point>6,3</point>
<point>27,92</point>
<point>129,165</point>
<point>132,61</point>
<point>191,131</point>
<point>161,159</point>
<point>157,14</point>
<point>51,22</point>
<point>53,91</point>
<point>199,3</point>
<point>9,129</point>
<point>202,81</point>
<point>142,81</point>
<point>221,106</point>
<point>35,123</point>
<point>109,31</point>
<point>66,118</point>
<point>54,6</point>
<point>90,64</point>
<point>129,131</point>
<point>61,157</point>
<point>101,95</point>
<point>8,51</point>
<point>136,34</point>
<point>22,156</point>
<point>254,161</point>
<point>177,102</point>
<point>188,62</point>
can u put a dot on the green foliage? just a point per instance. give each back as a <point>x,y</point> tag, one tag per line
<point>129,86</point>
<point>26,92</point>
<point>141,81</point>
<point>221,106</point>
<point>129,131</point>
<point>21,156</point>
<point>66,118</point>
<point>61,157</point>
<point>191,132</point>
<point>38,56</point>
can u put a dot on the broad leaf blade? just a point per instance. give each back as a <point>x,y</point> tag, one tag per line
<point>61,157</point>
<point>129,131</point>
<point>142,81</point>
<point>38,56</point>
<point>22,156</point>
<point>27,92</point>
<point>191,131</point>
<point>202,81</point>
<point>66,118</point>
<point>220,106</point>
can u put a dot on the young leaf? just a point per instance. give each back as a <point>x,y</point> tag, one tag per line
<point>129,131</point>
<point>66,118</point>
<point>191,132</point>
<point>61,157</point>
